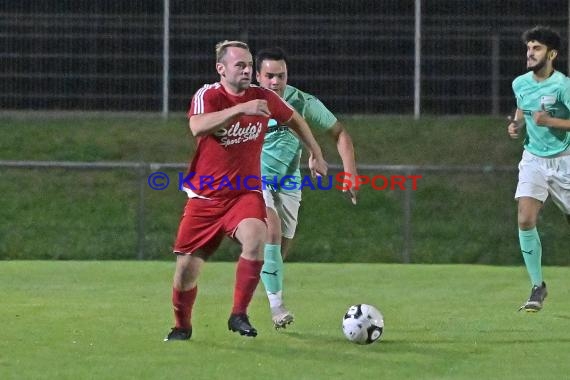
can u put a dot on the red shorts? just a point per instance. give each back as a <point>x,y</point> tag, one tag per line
<point>206,221</point>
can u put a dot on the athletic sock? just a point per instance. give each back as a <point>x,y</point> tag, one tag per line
<point>183,301</point>
<point>247,278</point>
<point>272,274</point>
<point>532,254</point>
<point>275,299</point>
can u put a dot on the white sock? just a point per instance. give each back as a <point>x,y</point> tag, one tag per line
<point>275,299</point>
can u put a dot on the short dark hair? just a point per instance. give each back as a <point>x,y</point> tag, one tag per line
<point>272,54</point>
<point>544,35</point>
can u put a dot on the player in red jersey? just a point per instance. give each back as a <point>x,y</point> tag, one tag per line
<point>229,119</point>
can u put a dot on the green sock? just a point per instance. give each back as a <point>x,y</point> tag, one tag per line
<point>272,270</point>
<point>532,254</point>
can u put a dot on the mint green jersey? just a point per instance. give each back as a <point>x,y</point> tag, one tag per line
<point>554,94</point>
<point>281,153</point>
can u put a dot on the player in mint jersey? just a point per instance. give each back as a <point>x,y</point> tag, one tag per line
<point>543,107</point>
<point>280,160</point>
<point>281,154</point>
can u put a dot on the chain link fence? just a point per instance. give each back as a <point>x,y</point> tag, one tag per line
<point>111,210</point>
<point>441,57</point>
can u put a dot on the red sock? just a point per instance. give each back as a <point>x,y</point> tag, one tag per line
<point>182,301</point>
<point>247,278</point>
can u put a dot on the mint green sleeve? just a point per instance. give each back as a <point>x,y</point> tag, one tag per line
<point>516,92</point>
<point>565,93</point>
<point>317,115</point>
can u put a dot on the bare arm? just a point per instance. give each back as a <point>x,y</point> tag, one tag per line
<point>208,123</point>
<point>346,152</point>
<point>317,164</point>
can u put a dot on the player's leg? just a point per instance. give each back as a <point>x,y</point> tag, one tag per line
<point>246,219</point>
<point>197,238</point>
<point>560,186</point>
<point>531,193</point>
<point>289,219</point>
<point>288,209</point>
<point>251,235</point>
<point>531,249</point>
<point>272,270</point>
<point>285,246</point>
<point>184,292</point>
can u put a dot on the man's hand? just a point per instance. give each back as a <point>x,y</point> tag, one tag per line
<point>318,166</point>
<point>256,107</point>
<point>350,180</point>
<point>514,127</point>
<point>541,118</point>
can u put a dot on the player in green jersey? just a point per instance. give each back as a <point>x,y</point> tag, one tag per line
<point>543,109</point>
<point>280,160</point>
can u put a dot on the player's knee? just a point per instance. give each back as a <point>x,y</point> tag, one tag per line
<point>273,237</point>
<point>526,223</point>
<point>186,272</point>
<point>527,218</point>
<point>273,229</point>
<point>252,235</point>
<point>253,249</point>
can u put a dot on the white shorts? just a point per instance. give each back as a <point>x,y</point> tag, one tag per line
<point>286,204</point>
<point>540,177</point>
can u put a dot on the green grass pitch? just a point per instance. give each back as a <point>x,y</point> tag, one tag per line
<point>106,320</point>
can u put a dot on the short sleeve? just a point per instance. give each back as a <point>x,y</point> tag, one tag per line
<point>565,92</point>
<point>280,110</point>
<point>514,86</point>
<point>204,101</point>
<point>318,115</point>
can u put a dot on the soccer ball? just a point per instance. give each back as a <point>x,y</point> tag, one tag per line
<point>363,324</point>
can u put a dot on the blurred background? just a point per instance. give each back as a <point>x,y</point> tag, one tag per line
<point>366,56</point>
<point>93,95</point>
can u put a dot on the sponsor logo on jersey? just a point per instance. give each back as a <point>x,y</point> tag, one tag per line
<point>236,134</point>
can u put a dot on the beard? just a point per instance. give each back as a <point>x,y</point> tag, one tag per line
<point>539,65</point>
<point>242,83</point>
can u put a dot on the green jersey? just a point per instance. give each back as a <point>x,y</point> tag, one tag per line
<point>553,94</point>
<point>281,153</point>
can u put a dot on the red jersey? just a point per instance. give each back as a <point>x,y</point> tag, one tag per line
<point>227,162</point>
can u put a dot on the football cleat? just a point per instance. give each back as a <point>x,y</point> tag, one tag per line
<point>536,299</point>
<point>281,317</point>
<point>240,323</point>
<point>178,334</point>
